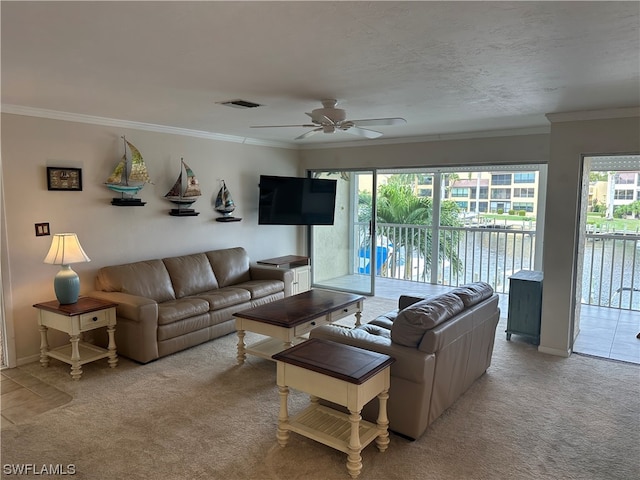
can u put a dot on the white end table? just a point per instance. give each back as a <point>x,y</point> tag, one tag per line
<point>84,315</point>
<point>342,374</point>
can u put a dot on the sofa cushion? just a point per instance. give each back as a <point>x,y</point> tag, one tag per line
<point>473,293</point>
<point>230,265</point>
<point>412,322</point>
<point>148,279</point>
<point>172,311</point>
<point>190,274</point>
<point>262,288</point>
<point>225,297</point>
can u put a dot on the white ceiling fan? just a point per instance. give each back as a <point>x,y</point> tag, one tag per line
<point>328,119</point>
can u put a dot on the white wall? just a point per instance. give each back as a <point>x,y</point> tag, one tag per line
<point>111,235</point>
<point>476,151</point>
<point>570,140</point>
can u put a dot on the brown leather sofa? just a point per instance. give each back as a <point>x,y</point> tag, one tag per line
<point>441,344</point>
<point>170,304</point>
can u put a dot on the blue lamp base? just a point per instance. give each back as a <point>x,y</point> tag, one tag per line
<point>66,285</point>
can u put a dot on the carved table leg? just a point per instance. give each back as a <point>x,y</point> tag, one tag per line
<point>358,317</point>
<point>241,356</point>
<point>354,460</point>
<point>44,347</point>
<point>113,357</point>
<point>382,440</point>
<point>283,417</point>
<point>76,368</point>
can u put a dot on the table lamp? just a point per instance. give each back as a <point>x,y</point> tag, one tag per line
<point>65,249</point>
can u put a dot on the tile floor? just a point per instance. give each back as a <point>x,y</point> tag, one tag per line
<point>23,396</point>
<point>609,333</point>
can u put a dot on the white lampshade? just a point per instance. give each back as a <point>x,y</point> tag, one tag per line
<point>65,249</point>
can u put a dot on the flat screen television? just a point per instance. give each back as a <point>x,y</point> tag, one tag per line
<point>296,201</point>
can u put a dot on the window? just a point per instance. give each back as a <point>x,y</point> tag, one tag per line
<point>425,192</point>
<point>626,178</point>
<point>460,192</point>
<point>482,207</point>
<point>501,179</point>
<point>500,193</point>
<point>529,177</point>
<point>484,192</point>
<point>524,192</point>
<point>504,206</point>
<point>623,195</point>
<point>425,179</point>
<point>526,206</point>
<point>462,205</point>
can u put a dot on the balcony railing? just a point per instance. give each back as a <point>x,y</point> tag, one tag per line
<point>493,252</point>
<point>611,275</point>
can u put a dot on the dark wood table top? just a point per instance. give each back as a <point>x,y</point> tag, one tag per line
<point>83,305</point>
<point>286,261</point>
<point>298,309</point>
<point>351,364</point>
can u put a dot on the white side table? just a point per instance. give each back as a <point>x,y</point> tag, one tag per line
<point>345,375</point>
<point>84,315</point>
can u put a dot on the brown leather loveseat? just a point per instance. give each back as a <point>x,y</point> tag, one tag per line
<point>441,344</point>
<point>170,304</point>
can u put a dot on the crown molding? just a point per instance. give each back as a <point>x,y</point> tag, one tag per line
<point>593,114</point>
<point>113,122</point>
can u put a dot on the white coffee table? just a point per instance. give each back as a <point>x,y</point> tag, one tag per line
<point>284,322</point>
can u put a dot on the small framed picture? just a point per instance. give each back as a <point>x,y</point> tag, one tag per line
<point>64,178</point>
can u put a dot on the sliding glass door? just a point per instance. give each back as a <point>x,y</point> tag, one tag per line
<point>341,254</point>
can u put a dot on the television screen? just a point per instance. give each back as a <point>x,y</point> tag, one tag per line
<point>296,201</point>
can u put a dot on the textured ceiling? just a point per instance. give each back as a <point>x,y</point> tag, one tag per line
<point>447,67</point>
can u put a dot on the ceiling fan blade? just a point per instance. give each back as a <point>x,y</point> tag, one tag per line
<point>309,133</point>
<point>306,125</point>
<point>363,132</point>
<point>379,122</point>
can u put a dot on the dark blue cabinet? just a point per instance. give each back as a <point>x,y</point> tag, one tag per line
<point>525,305</point>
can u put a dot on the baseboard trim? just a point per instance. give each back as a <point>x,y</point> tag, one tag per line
<point>555,351</point>
<point>25,360</point>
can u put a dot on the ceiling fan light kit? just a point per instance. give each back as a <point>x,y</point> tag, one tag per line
<point>328,119</point>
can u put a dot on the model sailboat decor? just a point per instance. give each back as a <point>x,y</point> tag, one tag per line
<point>128,177</point>
<point>225,206</point>
<point>184,195</point>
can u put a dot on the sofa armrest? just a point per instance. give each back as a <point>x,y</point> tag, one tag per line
<point>136,325</point>
<point>132,307</point>
<point>411,364</point>
<point>258,272</point>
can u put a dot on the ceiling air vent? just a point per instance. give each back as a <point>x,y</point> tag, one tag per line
<point>240,104</point>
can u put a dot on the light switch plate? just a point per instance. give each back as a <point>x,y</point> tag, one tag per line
<point>42,229</point>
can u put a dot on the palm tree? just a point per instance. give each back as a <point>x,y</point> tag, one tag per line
<point>398,205</point>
